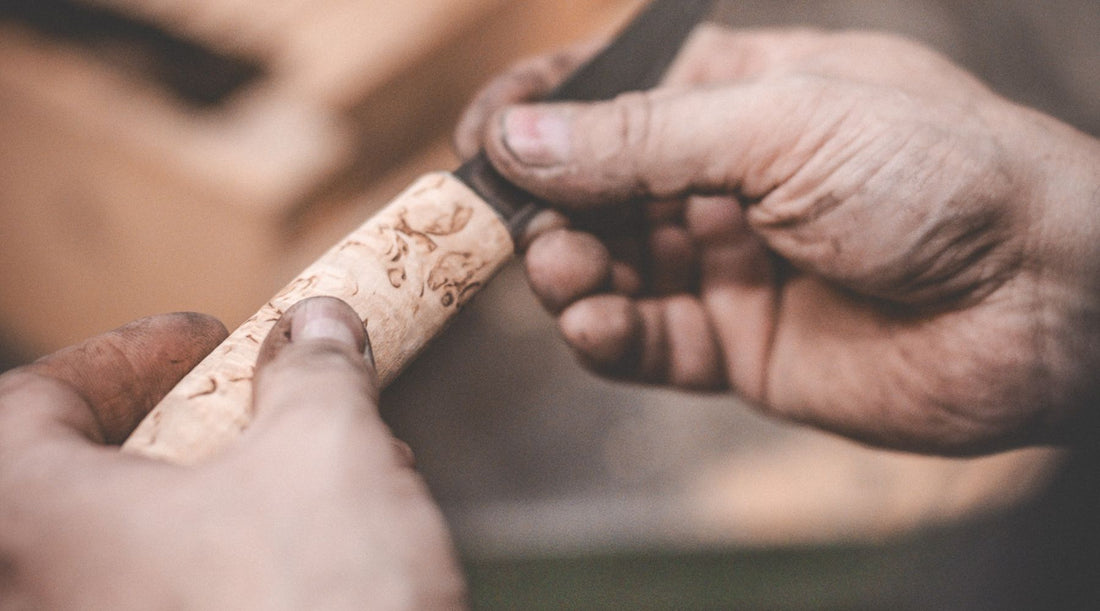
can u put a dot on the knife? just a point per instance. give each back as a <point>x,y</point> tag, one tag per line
<point>411,267</point>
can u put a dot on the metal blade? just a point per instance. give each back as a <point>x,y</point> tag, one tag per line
<point>635,60</point>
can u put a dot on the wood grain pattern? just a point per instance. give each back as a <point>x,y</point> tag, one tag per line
<point>407,271</point>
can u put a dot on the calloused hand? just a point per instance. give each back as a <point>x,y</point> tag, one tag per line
<point>844,228</point>
<point>316,507</point>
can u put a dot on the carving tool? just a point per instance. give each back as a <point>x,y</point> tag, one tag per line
<point>410,268</point>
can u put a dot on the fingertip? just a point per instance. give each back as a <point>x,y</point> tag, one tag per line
<point>605,331</point>
<point>563,266</point>
<point>317,357</point>
<point>193,331</point>
<point>535,135</point>
<point>542,223</point>
<point>203,325</point>
<point>317,319</point>
<point>585,155</point>
<point>319,346</point>
<point>327,319</point>
<point>203,332</point>
<point>531,146</point>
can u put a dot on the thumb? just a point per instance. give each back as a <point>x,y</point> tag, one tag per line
<point>742,139</point>
<point>316,390</point>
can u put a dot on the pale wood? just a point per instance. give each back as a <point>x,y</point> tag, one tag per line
<point>326,51</point>
<point>128,202</point>
<point>336,52</point>
<point>265,150</point>
<point>407,271</point>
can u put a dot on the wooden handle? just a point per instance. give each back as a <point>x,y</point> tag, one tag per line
<point>406,271</point>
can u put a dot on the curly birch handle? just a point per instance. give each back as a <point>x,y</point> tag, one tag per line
<point>406,271</point>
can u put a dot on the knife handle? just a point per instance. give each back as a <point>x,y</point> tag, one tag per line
<point>406,271</point>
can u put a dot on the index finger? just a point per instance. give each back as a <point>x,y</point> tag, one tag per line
<point>104,386</point>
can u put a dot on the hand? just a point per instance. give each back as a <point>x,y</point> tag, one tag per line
<point>316,507</point>
<point>844,228</point>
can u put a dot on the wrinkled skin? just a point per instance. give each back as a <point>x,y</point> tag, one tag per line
<point>316,507</point>
<point>843,228</point>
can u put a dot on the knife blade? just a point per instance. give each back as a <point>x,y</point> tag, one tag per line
<point>411,267</point>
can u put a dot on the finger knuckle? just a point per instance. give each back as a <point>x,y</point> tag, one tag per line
<point>320,357</point>
<point>633,115</point>
<point>20,384</point>
<point>15,380</point>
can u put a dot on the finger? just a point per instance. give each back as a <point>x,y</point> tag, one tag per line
<point>623,229</point>
<point>563,266</point>
<point>716,220</point>
<point>316,339</point>
<point>323,308</point>
<point>665,341</point>
<point>712,54</point>
<point>607,334</point>
<point>528,80</point>
<point>664,144</point>
<point>670,253</point>
<point>103,387</point>
<point>818,161</point>
<point>674,263</point>
<point>629,254</point>
<point>316,392</point>
<point>543,222</point>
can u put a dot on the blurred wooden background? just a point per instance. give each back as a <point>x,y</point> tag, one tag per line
<point>133,186</point>
<point>193,154</point>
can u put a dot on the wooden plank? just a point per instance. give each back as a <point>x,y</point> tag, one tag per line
<point>94,233</point>
<point>355,46</point>
<point>242,26</point>
<point>265,150</point>
<point>316,46</point>
<point>118,202</point>
<point>336,52</point>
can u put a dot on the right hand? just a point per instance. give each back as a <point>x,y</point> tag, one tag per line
<point>846,229</point>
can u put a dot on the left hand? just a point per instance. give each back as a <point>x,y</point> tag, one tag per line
<point>843,228</point>
<point>316,507</point>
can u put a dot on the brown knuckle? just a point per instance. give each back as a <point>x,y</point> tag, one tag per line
<point>564,265</point>
<point>604,331</point>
